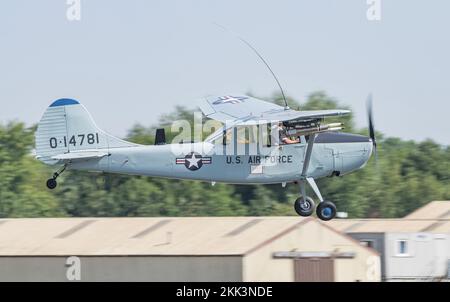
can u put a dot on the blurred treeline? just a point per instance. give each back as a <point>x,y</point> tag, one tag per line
<point>407,175</point>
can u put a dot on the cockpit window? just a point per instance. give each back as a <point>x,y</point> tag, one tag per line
<point>266,135</point>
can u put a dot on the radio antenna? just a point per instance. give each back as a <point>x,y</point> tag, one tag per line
<point>286,107</point>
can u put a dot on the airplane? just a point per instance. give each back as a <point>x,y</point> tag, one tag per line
<point>68,137</point>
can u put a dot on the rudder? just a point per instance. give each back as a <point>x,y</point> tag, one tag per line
<point>67,126</point>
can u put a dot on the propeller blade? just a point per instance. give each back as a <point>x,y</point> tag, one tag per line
<point>371,124</point>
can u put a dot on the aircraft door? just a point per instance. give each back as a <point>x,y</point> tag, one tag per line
<point>279,159</point>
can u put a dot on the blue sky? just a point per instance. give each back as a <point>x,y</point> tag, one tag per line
<point>131,61</point>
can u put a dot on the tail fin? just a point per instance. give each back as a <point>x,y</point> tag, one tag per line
<point>67,126</point>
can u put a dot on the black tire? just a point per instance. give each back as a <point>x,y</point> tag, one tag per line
<point>51,183</point>
<point>326,210</point>
<point>304,208</point>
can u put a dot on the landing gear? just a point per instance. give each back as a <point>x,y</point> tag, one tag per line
<point>51,182</point>
<point>304,207</point>
<point>326,210</point>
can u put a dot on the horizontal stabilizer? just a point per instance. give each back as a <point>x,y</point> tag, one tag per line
<point>81,154</point>
<point>77,156</point>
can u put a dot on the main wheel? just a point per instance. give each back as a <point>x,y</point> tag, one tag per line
<point>304,208</point>
<point>326,210</point>
<point>51,183</point>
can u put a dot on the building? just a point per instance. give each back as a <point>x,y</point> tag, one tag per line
<point>433,210</point>
<point>416,247</point>
<point>181,249</point>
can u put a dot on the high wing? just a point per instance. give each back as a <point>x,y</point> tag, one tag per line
<point>240,110</point>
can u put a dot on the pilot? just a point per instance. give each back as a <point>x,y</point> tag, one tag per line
<point>284,138</point>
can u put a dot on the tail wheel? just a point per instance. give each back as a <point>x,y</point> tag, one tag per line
<point>304,207</point>
<point>51,183</point>
<point>326,210</point>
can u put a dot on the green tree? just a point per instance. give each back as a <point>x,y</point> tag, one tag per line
<point>21,193</point>
<point>407,175</point>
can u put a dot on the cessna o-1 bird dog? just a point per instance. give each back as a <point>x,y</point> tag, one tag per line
<point>68,137</point>
<point>252,147</point>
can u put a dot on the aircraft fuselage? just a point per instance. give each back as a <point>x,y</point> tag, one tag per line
<point>333,154</point>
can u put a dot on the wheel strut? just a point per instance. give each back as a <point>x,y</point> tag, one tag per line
<point>51,182</point>
<point>57,173</point>
<point>313,185</point>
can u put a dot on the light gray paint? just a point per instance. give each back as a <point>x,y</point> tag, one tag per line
<point>103,152</point>
<point>160,161</point>
<point>134,268</point>
<point>427,256</point>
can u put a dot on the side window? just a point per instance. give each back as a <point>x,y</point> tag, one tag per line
<point>265,135</point>
<point>224,138</point>
<point>258,134</point>
<point>402,248</point>
<point>227,135</point>
<point>247,135</point>
<point>269,135</point>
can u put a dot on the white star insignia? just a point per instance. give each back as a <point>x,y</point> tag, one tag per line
<point>193,161</point>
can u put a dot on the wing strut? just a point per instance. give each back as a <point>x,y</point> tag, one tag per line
<point>315,188</point>
<point>307,160</point>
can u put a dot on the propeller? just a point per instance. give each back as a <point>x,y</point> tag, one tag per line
<point>371,124</point>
